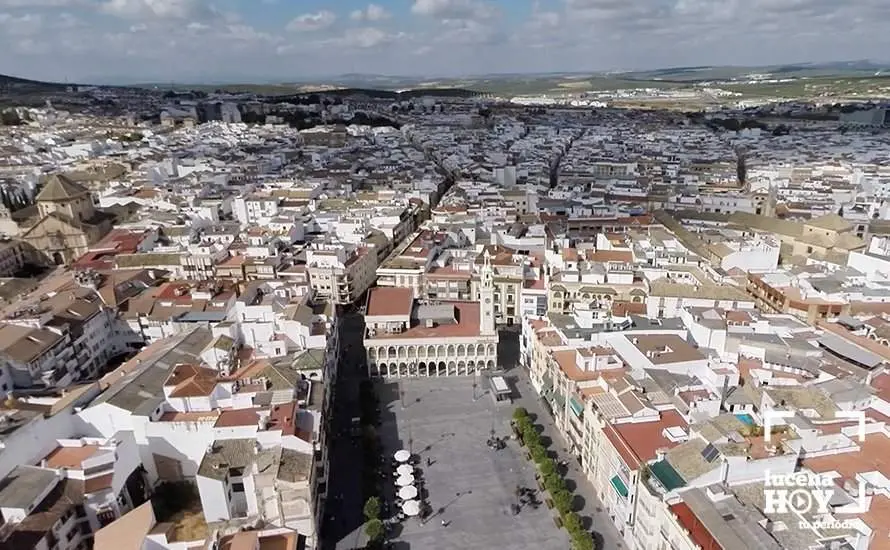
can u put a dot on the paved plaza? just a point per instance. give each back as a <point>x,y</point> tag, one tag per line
<point>438,419</point>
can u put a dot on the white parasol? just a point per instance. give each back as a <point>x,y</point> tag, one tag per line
<point>403,456</point>
<point>405,470</point>
<point>408,492</point>
<point>411,508</point>
<point>404,481</point>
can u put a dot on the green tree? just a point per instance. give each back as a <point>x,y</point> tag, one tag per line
<point>538,452</point>
<point>554,483</point>
<point>562,499</point>
<point>372,508</point>
<point>573,524</point>
<point>520,413</point>
<point>530,435</point>
<point>374,529</point>
<point>547,468</point>
<point>583,541</point>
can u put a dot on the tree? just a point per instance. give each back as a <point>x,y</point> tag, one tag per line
<point>583,541</point>
<point>372,508</point>
<point>531,435</point>
<point>554,483</point>
<point>520,413</point>
<point>573,524</point>
<point>538,452</point>
<point>547,468</point>
<point>562,499</point>
<point>374,529</point>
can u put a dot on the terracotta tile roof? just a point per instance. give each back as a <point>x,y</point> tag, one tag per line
<point>96,484</point>
<point>696,529</point>
<point>127,532</point>
<point>191,381</point>
<point>881,383</point>
<point>230,418</point>
<point>873,455</point>
<point>623,309</point>
<point>566,361</point>
<point>389,301</point>
<point>466,315</point>
<point>70,457</point>
<point>638,442</point>
<point>623,256</point>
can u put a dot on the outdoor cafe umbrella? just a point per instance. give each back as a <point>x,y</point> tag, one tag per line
<point>403,456</point>
<point>408,492</point>
<point>404,481</point>
<point>405,470</point>
<point>411,508</point>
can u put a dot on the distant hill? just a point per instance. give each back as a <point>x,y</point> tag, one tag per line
<point>15,85</point>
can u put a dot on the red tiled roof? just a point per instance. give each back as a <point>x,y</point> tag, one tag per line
<point>466,314</point>
<point>638,442</point>
<point>99,483</point>
<point>230,418</point>
<point>386,301</point>
<point>697,531</point>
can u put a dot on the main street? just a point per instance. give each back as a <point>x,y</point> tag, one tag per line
<point>343,508</point>
<point>597,521</point>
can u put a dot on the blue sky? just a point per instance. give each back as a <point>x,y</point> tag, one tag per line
<point>286,40</point>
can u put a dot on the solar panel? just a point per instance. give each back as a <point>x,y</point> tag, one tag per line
<point>710,453</point>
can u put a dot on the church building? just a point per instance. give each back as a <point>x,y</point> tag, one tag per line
<point>67,222</point>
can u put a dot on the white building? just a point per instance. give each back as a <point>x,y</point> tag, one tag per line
<point>341,272</point>
<point>255,209</point>
<point>407,338</point>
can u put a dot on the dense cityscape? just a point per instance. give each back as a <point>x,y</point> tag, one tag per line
<point>442,320</point>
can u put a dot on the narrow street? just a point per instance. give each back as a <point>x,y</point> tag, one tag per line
<point>599,523</point>
<point>343,509</point>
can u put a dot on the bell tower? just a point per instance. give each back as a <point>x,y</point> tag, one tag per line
<point>486,297</point>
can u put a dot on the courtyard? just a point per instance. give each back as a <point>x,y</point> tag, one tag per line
<point>471,487</point>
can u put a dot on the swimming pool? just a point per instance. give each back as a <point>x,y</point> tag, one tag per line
<point>745,418</point>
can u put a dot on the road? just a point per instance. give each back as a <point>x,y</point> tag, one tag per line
<point>343,508</point>
<point>598,521</point>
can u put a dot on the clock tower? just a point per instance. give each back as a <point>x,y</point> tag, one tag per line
<point>486,297</point>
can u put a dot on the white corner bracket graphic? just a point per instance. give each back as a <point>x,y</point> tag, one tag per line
<point>769,420</point>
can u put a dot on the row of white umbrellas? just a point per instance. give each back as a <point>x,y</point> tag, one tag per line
<point>408,491</point>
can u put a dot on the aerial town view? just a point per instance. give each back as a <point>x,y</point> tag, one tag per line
<point>444,275</point>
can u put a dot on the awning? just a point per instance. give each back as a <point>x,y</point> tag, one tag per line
<point>666,475</point>
<point>619,486</point>
<point>576,407</point>
<point>850,351</point>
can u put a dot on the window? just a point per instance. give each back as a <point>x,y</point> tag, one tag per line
<point>238,487</point>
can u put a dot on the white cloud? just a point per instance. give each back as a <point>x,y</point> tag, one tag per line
<point>454,9</point>
<point>312,21</point>
<point>364,38</point>
<point>28,24</point>
<point>469,33</point>
<point>374,12</point>
<point>158,9</point>
<point>34,4</point>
